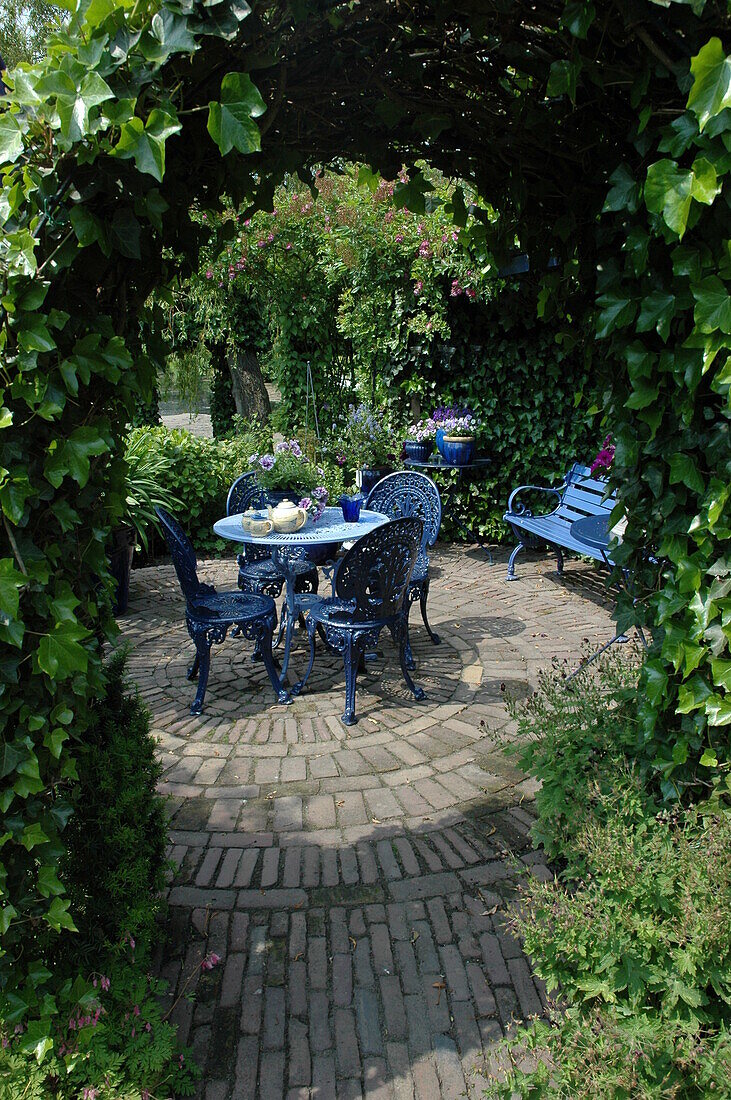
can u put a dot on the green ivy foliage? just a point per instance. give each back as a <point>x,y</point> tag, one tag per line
<point>664,317</point>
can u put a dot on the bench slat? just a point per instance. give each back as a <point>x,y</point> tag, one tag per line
<point>554,531</point>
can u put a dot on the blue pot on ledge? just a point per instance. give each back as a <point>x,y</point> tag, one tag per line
<point>418,451</point>
<point>458,450</point>
<point>366,478</point>
<point>439,441</point>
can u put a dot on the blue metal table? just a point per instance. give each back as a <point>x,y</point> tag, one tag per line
<point>330,528</point>
<point>436,462</point>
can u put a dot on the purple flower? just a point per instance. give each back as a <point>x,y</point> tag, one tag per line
<point>305,503</point>
<point>266,462</point>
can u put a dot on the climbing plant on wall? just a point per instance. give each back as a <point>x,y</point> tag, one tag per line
<point>143,107</point>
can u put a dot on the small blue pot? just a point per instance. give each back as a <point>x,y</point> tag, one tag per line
<point>419,452</point>
<point>351,507</point>
<point>458,452</point>
<point>371,476</point>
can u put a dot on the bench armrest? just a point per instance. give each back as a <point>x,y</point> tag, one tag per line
<point>521,509</point>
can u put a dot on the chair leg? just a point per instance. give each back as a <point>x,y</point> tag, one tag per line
<point>424,596</point>
<point>511,563</point>
<point>400,634</point>
<point>193,670</point>
<point>264,644</point>
<point>410,662</point>
<point>203,657</point>
<point>300,685</point>
<point>559,560</point>
<point>351,658</point>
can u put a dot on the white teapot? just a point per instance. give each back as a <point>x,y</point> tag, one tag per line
<point>287,517</point>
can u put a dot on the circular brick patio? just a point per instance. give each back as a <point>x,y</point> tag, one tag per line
<point>356,881</point>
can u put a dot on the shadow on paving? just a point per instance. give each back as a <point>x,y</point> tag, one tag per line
<point>380,967</point>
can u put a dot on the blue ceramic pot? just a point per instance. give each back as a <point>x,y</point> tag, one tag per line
<point>369,477</point>
<point>419,452</point>
<point>439,440</point>
<point>456,451</point>
<point>351,507</point>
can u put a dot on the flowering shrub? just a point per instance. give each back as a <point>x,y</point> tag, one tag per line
<point>365,439</point>
<point>423,430</point>
<point>290,468</point>
<point>460,426</point>
<point>605,457</point>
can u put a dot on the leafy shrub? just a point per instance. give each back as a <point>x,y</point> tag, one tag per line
<point>114,866</point>
<point>640,948</point>
<point>100,1025</point>
<point>111,1038</point>
<point>575,737</point>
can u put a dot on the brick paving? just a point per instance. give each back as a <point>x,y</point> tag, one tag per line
<point>356,882</point>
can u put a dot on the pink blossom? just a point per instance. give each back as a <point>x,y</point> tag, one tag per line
<point>399,238</point>
<point>136,1010</point>
<point>247,223</point>
<point>424,249</point>
<point>455,235</point>
<point>388,216</point>
<point>456,289</point>
<point>105,983</point>
<point>261,244</point>
<point>204,217</point>
<point>418,287</point>
<point>444,238</point>
<point>270,237</point>
<point>471,293</point>
<point>420,228</point>
<point>144,1094</point>
<point>213,959</point>
<point>209,273</point>
<point>288,245</point>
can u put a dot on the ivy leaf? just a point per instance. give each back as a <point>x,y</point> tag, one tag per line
<point>60,654</point>
<point>656,313</point>
<point>713,305</point>
<point>145,141</point>
<point>33,836</point>
<point>655,681</point>
<point>230,122</point>
<point>684,471</point>
<point>562,79</point>
<point>617,311</point>
<point>668,191</point>
<point>577,17</point>
<point>711,90</point>
<point>624,192</point>
<point>58,917</point>
<point>11,581</point>
<point>11,138</point>
<point>72,456</point>
<point>678,135</point>
<point>168,34</point>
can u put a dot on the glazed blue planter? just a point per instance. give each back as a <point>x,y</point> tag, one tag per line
<point>351,507</point>
<point>419,452</point>
<point>369,477</point>
<point>439,440</point>
<point>457,452</point>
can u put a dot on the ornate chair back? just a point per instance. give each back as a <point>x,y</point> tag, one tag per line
<point>246,493</point>
<point>375,573</point>
<point>183,555</point>
<point>408,493</point>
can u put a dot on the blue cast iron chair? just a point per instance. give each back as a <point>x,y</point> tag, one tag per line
<point>408,493</point>
<point>370,593</point>
<point>209,614</point>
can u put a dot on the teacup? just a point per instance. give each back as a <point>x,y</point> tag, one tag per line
<point>255,524</point>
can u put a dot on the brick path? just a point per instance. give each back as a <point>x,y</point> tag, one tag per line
<point>356,882</point>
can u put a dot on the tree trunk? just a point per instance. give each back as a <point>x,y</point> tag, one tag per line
<point>250,393</point>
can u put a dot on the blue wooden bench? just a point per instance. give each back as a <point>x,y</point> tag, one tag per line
<point>579,495</point>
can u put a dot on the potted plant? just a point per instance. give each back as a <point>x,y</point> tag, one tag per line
<point>351,502</point>
<point>288,474</point>
<point>419,442</point>
<point>147,471</point>
<point>458,441</point>
<point>443,417</point>
<point>365,441</point>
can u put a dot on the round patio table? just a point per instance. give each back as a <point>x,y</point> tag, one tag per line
<point>329,528</point>
<point>593,531</point>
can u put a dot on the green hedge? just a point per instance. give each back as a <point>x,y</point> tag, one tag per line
<point>527,381</point>
<point>201,474</point>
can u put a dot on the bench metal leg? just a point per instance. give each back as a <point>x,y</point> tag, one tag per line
<point>511,564</point>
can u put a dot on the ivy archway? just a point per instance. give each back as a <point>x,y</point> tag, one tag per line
<point>598,130</point>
